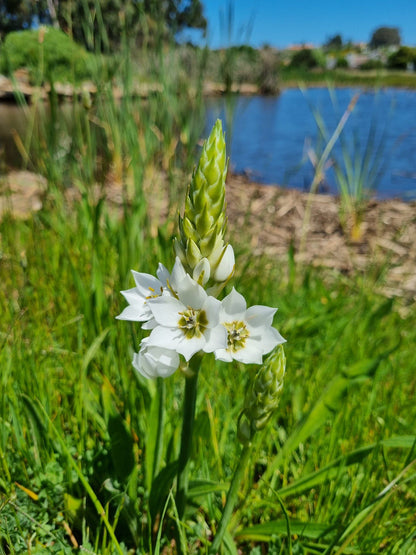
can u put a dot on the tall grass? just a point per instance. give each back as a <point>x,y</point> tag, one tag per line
<point>77,425</point>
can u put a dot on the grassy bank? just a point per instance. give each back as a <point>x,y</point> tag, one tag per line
<point>343,436</point>
<point>350,78</point>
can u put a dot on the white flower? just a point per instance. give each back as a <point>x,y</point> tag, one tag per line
<point>189,322</point>
<point>250,334</point>
<point>155,362</point>
<point>147,288</point>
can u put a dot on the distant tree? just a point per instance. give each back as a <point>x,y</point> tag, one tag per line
<point>102,22</point>
<point>385,36</point>
<point>334,43</point>
<point>304,59</point>
<point>19,14</point>
<point>402,58</point>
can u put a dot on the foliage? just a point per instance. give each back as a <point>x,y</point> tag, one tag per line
<point>371,64</point>
<point>341,63</point>
<point>402,58</point>
<point>385,36</point>
<point>17,15</point>
<point>268,78</point>
<point>334,43</point>
<point>45,52</point>
<point>304,59</point>
<point>102,25</point>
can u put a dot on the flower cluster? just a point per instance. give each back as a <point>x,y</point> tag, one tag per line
<point>185,319</point>
<point>181,308</point>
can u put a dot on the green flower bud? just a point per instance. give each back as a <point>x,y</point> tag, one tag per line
<point>263,396</point>
<point>202,227</point>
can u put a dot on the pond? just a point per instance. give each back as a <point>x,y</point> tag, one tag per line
<point>273,138</point>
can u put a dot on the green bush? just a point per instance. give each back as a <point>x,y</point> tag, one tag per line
<point>342,63</point>
<point>46,53</point>
<point>371,64</point>
<point>305,59</point>
<point>402,57</point>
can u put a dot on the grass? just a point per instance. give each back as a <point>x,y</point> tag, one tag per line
<point>348,78</point>
<point>81,467</point>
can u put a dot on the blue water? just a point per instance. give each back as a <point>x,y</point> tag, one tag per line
<point>271,136</point>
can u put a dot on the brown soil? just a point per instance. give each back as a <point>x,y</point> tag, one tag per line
<point>274,218</point>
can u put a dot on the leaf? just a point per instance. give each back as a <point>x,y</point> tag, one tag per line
<point>229,545</point>
<point>333,468</point>
<point>264,532</point>
<point>121,441</point>
<point>199,488</point>
<point>326,405</point>
<point>93,349</point>
<point>160,488</point>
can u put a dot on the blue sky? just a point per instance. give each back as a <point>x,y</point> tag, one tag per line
<point>280,23</point>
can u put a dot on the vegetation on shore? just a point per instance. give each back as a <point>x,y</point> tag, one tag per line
<point>49,54</point>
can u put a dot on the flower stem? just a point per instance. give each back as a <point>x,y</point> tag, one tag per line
<point>231,499</point>
<point>186,437</point>
<point>161,392</point>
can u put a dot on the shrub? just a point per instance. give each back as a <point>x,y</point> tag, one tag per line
<point>45,52</point>
<point>304,59</point>
<point>401,58</point>
<point>342,63</point>
<point>371,64</point>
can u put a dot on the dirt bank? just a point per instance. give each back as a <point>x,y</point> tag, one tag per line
<point>272,219</point>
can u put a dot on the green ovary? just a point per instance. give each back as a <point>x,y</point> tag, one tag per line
<point>193,322</point>
<point>237,335</point>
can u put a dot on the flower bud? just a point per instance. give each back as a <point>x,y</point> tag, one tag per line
<point>202,227</point>
<point>263,396</point>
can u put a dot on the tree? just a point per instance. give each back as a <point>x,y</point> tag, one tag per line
<point>102,23</point>
<point>385,36</point>
<point>16,15</point>
<point>304,59</point>
<point>334,43</point>
<point>402,58</point>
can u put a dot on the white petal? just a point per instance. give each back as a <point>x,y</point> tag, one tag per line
<point>233,307</point>
<point>224,355</point>
<point>150,324</point>
<point>190,293</point>
<point>165,337</point>
<point>162,274</point>
<point>250,354</point>
<point>216,339</point>
<point>147,285</point>
<point>153,362</point>
<point>202,271</point>
<point>177,275</point>
<point>188,347</point>
<point>166,310</point>
<point>270,337</point>
<point>212,309</point>
<point>133,314</point>
<point>225,268</point>
<point>260,315</point>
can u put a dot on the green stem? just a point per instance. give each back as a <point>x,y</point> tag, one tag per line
<point>231,499</point>
<point>161,392</point>
<point>186,437</point>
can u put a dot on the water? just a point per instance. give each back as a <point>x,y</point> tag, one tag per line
<point>270,137</point>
